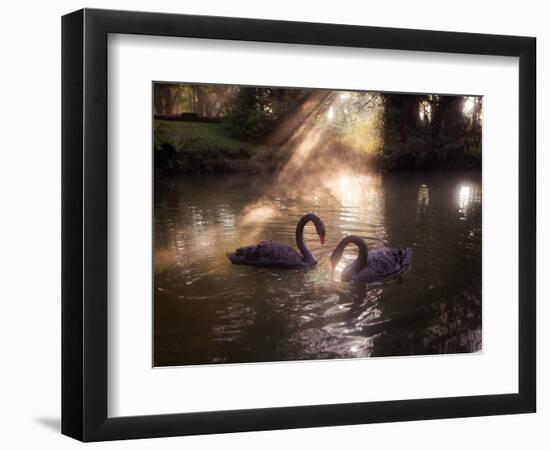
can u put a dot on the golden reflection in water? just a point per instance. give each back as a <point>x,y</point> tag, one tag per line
<point>464,199</point>
<point>423,196</point>
<point>351,190</point>
<point>257,213</point>
<point>307,316</point>
<point>361,201</point>
<point>348,189</point>
<point>188,240</point>
<point>227,218</point>
<point>347,258</point>
<point>195,239</point>
<point>422,200</point>
<point>254,219</point>
<point>468,197</point>
<point>165,258</point>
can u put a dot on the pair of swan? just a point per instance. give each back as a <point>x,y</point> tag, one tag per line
<point>367,267</point>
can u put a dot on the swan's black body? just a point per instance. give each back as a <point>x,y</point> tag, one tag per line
<point>371,265</point>
<point>280,256</point>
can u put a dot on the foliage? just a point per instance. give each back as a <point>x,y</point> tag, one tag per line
<point>391,131</point>
<point>255,112</point>
<point>424,131</point>
<point>185,135</point>
<point>204,100</point>
<point>191,147</point>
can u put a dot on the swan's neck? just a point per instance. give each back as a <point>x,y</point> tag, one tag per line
<point>306,254</point>
<point>360,262</point>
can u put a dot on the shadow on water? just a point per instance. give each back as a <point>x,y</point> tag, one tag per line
<point>209,311</point>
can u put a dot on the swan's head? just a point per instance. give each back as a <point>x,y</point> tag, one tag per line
<point>321,236</point>
<point>319,226</point>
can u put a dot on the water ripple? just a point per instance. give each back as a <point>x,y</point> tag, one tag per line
<point>207,310</point>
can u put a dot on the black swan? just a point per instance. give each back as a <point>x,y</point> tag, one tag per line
<point>371,265</point>
<point>281,256</point>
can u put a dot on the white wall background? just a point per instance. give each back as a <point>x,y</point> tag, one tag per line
<point>30,226</point>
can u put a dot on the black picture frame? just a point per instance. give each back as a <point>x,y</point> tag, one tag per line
<point>84,224</point>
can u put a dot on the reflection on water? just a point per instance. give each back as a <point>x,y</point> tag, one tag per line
<point>209,311</point>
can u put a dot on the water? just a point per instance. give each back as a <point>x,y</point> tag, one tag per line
<point>207,310</point>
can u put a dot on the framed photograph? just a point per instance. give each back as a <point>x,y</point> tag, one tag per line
<point>273,224</point>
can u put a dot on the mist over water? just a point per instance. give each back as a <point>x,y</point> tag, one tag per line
<point>207,310</point>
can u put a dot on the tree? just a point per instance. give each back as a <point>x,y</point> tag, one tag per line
<point>401,116</point>
<point>165,97</point>
<point>255,112</point>
<point>449,120</point>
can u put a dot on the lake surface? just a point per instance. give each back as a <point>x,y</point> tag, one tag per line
<point>207,310</point>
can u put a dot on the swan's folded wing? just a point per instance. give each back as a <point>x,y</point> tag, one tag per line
<point>381,263</point>
<point>267,254</point>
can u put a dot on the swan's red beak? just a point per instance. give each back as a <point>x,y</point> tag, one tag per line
<point>322,238</point>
